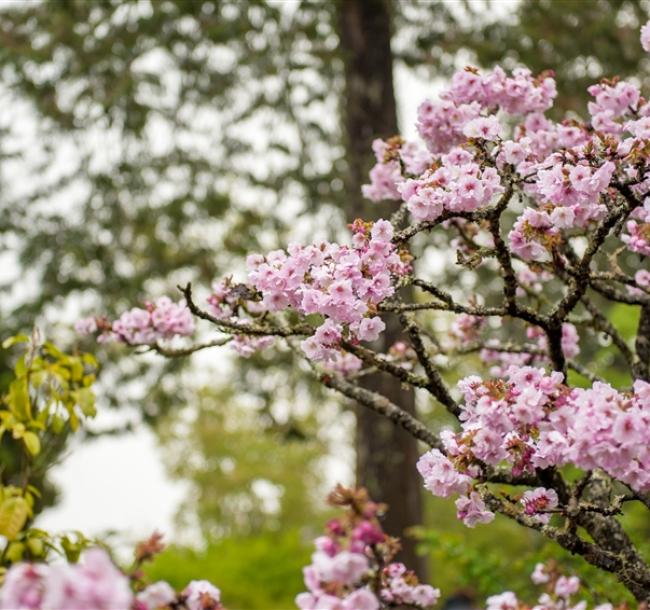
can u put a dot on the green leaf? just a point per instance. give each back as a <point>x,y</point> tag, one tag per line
<point>13,515</point>
<point>32,443</point>
<point>21,367</point>
<point>54,351</point>
<point>36,547</point>
<point>15,552</point>
<point>85,398</point>
<point>13,340</point>
<point>71,549</point>
<point>18,399</point>
<point>90,360</point>
<point>58,423</point>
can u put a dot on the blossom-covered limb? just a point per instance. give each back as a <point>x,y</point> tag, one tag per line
<point>632,574</point>
<point>242,327</point>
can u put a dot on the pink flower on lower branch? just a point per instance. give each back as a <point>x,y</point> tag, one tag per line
<point>157,595</point>
<point>440,476</point>
<point>503,601</point>
<point>23,587</point>
<point>93,584</point>
<point>567,586</point>
<point>159,320</point>
<point>538,501</point>
<point>202,595</point>
<point>471,510</point>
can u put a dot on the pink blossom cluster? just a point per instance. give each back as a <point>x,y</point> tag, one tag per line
<point>238,302</point>
<point>520,93</point>
<point>614,102</point>
<point>637,235</point>
<point>566,168</point>
<point>532,420</point>
<point>442,124</point>
<point>569,197</point>
<point>340,571</point>
<point>197,595</point>
<point>229,301</point>
<point>467,328</point>
<point>471,509</point>
<point>344,284</point>
<point>352,567</point>
<point>459,184</point>
<point>246,345</point>
<point>531,281</point>
<point>394,157</point>
<point>443,479</point>
<point>95,584</point>
<point>400,588</point>
<point>158,320</point>
<point>559,592</point>
<point>341,578</point>
<point>466,111</point>
<point>538,503</point>
<point>569,342</point>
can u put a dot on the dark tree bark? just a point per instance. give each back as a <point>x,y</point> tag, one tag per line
<point>641,368</point>
<point>386,455</point>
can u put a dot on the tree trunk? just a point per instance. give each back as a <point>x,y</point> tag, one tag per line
<point>386,455</point>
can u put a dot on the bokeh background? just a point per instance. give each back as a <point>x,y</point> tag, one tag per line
<point>147,143</point>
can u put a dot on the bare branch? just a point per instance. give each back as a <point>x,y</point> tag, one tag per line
<point>436,385</point>
<point>380,404</point>
<point>187,351</point>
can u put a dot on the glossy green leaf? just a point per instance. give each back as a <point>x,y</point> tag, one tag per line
<point>18,399</point>
<point>32,442</point>
<point>14,340</point>
<point>85,398</point>
<point>13,515</point>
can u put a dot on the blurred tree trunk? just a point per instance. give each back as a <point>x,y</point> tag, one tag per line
<point>386,455</point>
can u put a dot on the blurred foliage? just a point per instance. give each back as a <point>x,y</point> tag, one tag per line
<point>155,147</point>
<point>244,480</point>
<point>45,399</point>
<point>261,572</point>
